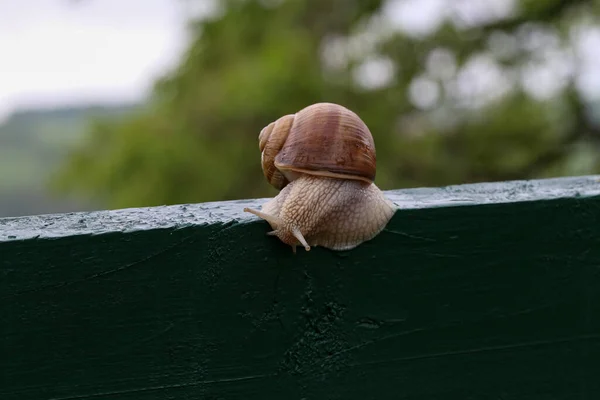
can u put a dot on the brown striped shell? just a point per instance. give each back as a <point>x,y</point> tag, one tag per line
<point>322,139</point>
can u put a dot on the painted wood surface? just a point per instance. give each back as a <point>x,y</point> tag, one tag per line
<point>487,291</point>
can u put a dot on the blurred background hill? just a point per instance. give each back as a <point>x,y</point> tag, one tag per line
<point>454,91</point>
<point>33,145</point>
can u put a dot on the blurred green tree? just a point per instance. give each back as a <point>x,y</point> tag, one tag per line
<point>483,93</point>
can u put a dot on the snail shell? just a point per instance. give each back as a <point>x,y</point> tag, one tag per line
<point>323,139</point>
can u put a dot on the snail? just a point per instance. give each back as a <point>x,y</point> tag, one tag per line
<point>322,159</point>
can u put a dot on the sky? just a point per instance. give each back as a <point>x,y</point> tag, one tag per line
<point>65,52</point>
<point>55,52</point>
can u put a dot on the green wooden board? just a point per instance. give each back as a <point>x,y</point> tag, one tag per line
<point>487,291</point>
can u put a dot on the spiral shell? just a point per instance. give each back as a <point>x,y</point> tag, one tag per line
<point>323,139</point>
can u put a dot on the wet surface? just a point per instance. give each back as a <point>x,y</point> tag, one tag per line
<point>127,220</point>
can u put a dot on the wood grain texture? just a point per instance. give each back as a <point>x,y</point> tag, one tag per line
<point>487,291</point>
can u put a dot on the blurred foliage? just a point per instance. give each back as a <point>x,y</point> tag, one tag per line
<point>254,61</point>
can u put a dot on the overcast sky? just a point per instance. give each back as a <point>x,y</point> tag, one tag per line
<point>65,51</point>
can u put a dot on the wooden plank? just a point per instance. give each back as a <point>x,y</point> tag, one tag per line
<point>488,291</point>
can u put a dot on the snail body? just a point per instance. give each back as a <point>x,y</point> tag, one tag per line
<point>322,159</point>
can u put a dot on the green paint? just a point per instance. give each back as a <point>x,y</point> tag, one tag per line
<point>472,292</point>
